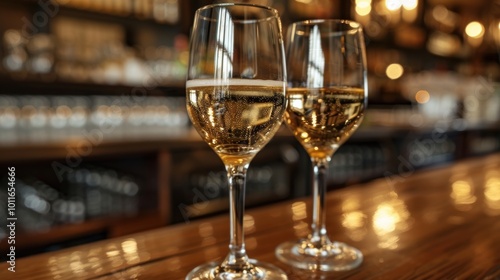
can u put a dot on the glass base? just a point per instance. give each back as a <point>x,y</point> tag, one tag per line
<point>257,271</point>
<point>334,256</point>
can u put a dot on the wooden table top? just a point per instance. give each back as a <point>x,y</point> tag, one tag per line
<point>437,224</point>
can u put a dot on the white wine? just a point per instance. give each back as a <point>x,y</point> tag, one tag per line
<point>322,119</point>
<point>236,118</point>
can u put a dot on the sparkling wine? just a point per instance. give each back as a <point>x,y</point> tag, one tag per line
<point>322,119</point>
<point>236,118</point>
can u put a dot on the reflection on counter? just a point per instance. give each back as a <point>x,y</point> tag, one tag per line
<point>125,252</point>
<point>390,219</point>
<point>465,191</point>
<point>492,191</point>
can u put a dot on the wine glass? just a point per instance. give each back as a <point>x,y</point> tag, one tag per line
<point>235,93</point>
<point>327,97</point>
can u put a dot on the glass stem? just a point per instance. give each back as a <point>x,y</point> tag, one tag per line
<point>319,235</point>
<point>237,258</point>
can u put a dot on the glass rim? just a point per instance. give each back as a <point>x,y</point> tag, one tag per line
<point>274,12</point>
<point>309,22</point>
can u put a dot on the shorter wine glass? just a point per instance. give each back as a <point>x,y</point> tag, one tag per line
<point>327,95</point>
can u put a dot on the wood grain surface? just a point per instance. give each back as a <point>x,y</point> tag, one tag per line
<point>436,224</point>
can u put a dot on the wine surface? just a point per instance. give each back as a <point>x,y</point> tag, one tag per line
<point>322,119</point>
<point>237,118</point>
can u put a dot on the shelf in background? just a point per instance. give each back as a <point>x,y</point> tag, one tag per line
<point>103,11</point>
<point>39,87</point>
<point>49,145</point>
<point>104,144</point>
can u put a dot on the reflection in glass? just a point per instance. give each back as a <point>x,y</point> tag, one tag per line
<point>316,64</point>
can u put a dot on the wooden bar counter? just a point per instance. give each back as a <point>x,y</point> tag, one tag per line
<point>436,224</point>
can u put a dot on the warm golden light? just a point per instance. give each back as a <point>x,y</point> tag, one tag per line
<point>363,11</point>
<point>363,7</point>
<point>410,4</point>
<point>249,223</point>
<point>474,29</point>
<point>393,5</point>
<point>299,211</point>
<point>211,116</point>
<point>350,204</point>
<point>385,219</point>
<point>192,98</point>
<point>462,192</point>
<point>130,252</point>
<point>301,228</point>
<point>410,11</point>
<point>422,96</point>
<point>440,12</point>
<point>492,190</point>
<point>112,253</point>
<point>205,229</point>
<point>129,246</point>
<point>441,43</point>
<point>385,222</point>
<point>394,71</point>
<point>390,216</point>
<point>363,3</point>
<point>354,220</point>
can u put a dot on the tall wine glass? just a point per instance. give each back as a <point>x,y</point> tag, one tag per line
<point>327,95</point>
<point>236,101</point>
